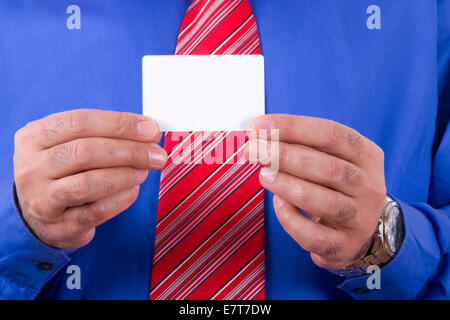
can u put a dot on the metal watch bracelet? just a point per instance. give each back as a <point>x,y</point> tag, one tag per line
<point>386,242</point>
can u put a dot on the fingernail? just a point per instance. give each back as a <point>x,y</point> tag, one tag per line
<point>263,127</point>
<point>278,202</point>
<point>157,156</point>
<point>263,153</point>
<point>267,175</point>
<point>141,174</point>
<point>147,128</point>
<point>136,187</point>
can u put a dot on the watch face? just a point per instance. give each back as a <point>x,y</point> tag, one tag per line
<point>393,230</point>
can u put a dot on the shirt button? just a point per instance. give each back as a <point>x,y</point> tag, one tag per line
<point>360,290</point>
<point>45,266</point>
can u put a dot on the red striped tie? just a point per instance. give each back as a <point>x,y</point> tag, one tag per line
<point>209,241</point>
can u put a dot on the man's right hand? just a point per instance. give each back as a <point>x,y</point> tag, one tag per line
<point>74,170</point>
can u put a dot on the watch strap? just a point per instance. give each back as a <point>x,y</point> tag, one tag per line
<point>377,254</point>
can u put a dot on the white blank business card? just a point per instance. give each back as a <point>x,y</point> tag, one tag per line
<point>203,93</point>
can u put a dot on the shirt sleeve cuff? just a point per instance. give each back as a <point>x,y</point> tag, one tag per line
<point>26,264</point>
<point>405,276</point>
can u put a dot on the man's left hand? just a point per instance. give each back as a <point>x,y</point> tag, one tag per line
<point>334,175</point>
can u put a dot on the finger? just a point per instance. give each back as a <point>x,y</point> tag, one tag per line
<point>70,125</point>
<point>93,185</point>
<point>313,237</point>
<point>326,135</point>
<point>314,199</point>
<point>82,218</point>
<point>63,240</point>
<point>311,165</point>
<point>94,153</point>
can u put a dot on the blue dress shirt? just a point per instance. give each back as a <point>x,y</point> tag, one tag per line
<point>392,84</point>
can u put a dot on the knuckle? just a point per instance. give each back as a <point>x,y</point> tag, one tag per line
<point>317,244</point>
<point>21,135</point>
<point>67,193</point>
<point>109,186</point>
<point>352,176</point>
<point>332,205</point>
<point>76,121</point>
<point>333,135</point>
<point>96,210</point>
<point>23,174</point>
<point>333,171</point>
<point>26,133</point>
<point>72,121</point>
<point>377,191</point>
<point>135,153</point>
<point>58,156</point>
<point>80,152</point>
<point>355,140</point>
<point>82,217</point>
<point>122,125</point>
<point>51,126</point>
<point>321,246</point>
<point>48,128</point>
<point>303,160</point>
<point>75,153</point>
<point>80,189</point>
<point>110,149</point>
<point>34,205</point>
<point>60,193</point>
<point>346,213</point>
<point>333,249</point>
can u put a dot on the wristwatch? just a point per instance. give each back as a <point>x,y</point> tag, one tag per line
<point>386,243</point>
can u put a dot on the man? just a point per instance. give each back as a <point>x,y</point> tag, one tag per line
<point>353,88</point>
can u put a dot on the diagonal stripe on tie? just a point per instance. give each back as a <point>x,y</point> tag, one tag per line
<point>209,240</point>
